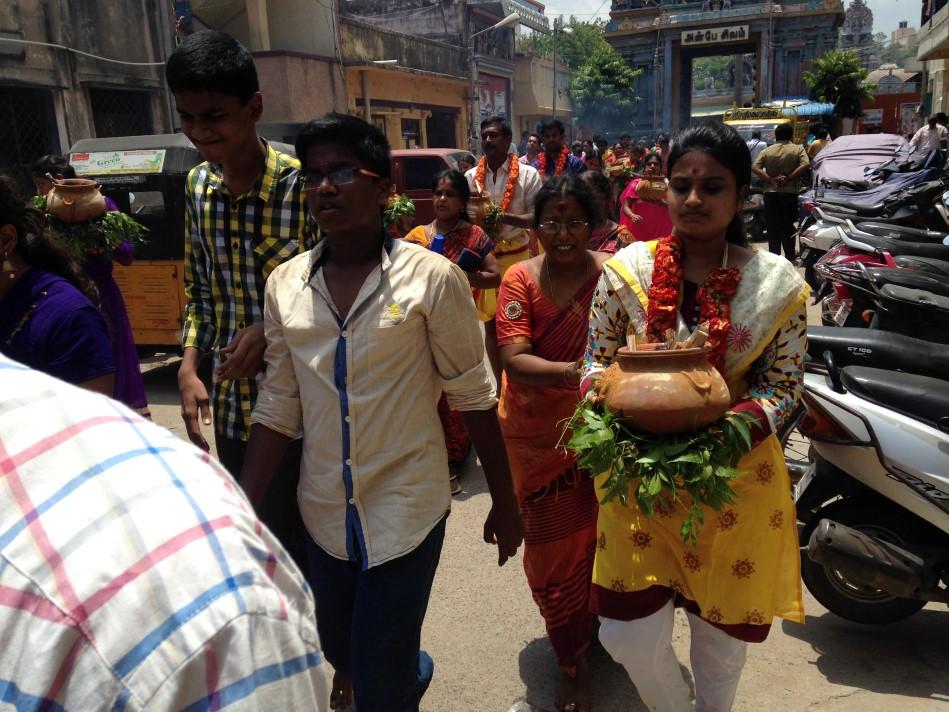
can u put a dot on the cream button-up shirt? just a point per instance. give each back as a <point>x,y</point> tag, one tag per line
<point>528,185</point>
<point>364,387</point>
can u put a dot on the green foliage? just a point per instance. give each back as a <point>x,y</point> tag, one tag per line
<point>659,469</point>
<point>99,235</point>
<point>577,42</point>
<point>397,208</point>
<point>603,85</point>
<point>838,78</point>
<point>602,91</point>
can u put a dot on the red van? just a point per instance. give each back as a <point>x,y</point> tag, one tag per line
<point>413,170</point>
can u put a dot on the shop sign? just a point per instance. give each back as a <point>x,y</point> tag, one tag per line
<point>493,95</point>
<point>715,35</point>
<point>100,163</point>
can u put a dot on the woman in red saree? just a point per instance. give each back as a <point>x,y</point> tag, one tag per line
<point>543,307</point>
<point>644,216</point>
<point>470,248</point>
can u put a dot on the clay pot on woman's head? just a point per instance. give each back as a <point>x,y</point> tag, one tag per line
<point>75,200</point>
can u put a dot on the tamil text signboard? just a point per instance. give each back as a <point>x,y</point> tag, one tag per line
<point>715,35</point>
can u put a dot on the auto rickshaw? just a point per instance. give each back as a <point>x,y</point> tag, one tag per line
<point>145,176</point>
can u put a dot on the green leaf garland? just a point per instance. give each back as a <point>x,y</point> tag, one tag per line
<point>661,471</point>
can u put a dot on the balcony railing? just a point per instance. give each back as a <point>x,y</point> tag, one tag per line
<point>930,8</point>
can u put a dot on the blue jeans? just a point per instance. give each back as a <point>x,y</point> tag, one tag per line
<point>370,622</point>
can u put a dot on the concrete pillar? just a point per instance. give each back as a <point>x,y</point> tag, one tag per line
<point>258,25</point>
<point>366,108</point>
<point>668,110</point>
<point>739,60</point>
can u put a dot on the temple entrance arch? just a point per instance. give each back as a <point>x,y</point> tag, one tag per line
<point>663,38</point>
<point>684,79</point>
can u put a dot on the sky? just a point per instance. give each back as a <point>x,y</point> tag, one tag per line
<point>886,13</point>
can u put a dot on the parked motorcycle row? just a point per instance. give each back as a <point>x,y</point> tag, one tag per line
<point>872,484</point>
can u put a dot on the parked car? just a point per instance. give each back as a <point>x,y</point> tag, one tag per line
<point>412,173</point>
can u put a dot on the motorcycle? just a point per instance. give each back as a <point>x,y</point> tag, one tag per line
<point>753,216</point>
<point>873,504</point>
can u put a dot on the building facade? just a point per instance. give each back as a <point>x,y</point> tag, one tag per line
<point>534,98</point>
<point>295,44</point>
<point>414,89</point>
<point>933,50</point>
<point>74,69</point>
<point>661,39</point>
<point>895,105</point>
<point>491,64</point>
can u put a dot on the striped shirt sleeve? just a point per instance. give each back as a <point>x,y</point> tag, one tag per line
<point>199,325</point>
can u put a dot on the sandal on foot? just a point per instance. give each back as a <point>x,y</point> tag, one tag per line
<point>454,484</point>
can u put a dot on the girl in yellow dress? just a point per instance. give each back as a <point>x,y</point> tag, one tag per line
<point>744,568</point>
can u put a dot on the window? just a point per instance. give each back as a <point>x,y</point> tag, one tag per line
<point>420,170</point>
<point>27,131</point>
<point>121,113</point>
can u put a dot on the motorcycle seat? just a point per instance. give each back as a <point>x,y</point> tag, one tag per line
<point>901,247</point>
<point>881,276</point>
<point>901,232</point>
<point>838,218</point>
<point>919,397</point>
<point>857,346</point>
<point>923,264</point>
<point>918,298</point>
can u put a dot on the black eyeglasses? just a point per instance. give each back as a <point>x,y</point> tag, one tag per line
<point>552,228</point>
<point>343,175</point>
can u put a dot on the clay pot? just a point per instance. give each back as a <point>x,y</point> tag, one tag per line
<point>663,391</point>
<point>652,189</point>
<point>477,209</point>
<point>75,200</point>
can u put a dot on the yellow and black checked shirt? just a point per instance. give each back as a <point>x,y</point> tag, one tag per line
<point>232,244</point>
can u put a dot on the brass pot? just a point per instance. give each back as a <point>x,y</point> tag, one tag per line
<point>75,200</point>
<point>665,391</point>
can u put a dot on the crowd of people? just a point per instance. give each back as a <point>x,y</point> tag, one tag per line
<point>349,383</point>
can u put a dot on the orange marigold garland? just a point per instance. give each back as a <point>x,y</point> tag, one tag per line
<point>558,167</point>
<point>713,298</point>
<point>513,170</point>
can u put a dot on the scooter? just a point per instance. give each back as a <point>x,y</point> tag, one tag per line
<point>873,505</point>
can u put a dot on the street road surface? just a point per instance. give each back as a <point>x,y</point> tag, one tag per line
<point>490,650</point>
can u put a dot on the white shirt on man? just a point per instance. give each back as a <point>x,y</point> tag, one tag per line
<point>927,139</point>
<point>364,389</point>
<point>756,146</point>
<point>528,185</point>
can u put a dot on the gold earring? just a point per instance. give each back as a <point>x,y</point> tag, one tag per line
<point>8,267</point>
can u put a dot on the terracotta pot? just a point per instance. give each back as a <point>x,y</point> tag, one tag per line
<point>652,189</point>
<point>665,392</point>
<point>477,209</point>
<point>74,200</point>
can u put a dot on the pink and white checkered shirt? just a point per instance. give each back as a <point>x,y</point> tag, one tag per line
<point>133,572</point>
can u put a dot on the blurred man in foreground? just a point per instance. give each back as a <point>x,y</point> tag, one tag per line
<point>133,572</point>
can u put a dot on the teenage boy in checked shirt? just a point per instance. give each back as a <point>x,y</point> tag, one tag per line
<point>363,334</point>
<point>245,214</point>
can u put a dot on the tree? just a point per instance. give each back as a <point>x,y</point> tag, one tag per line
<point>576,42</point>
<point>602,91</point>
<point>837,78</point>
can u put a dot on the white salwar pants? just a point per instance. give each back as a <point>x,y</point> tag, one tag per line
<point>644,647</point>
